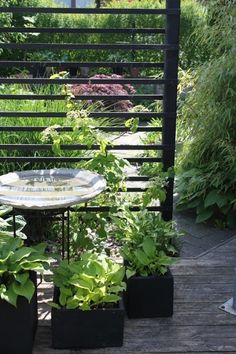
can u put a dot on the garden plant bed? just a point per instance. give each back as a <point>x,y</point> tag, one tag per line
<point>102,327</point>
<point>197,325</point>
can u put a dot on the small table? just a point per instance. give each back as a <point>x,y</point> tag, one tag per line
<point>37,193</point>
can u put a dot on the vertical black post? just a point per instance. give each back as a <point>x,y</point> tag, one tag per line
<point>98,4</point>
<point>14,222</point>
<point>63,235</point>
<point>170,98</point>
<point>68,234</point>
<point>73,4</point>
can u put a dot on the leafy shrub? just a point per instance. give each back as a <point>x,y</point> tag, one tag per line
<point>6,224</point>
<point>208,180</point>
<point>193,20</point>
<point>16,262</point>
<point>107,90</point>
<point>18,20</point>
<point>93,281</point>
<point>146,241</point>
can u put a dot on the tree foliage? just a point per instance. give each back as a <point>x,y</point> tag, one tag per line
<point>208,180</point>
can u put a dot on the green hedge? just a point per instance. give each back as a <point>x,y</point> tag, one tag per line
<point>193,20</point>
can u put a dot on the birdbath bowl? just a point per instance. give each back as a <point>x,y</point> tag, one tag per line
<point>49,189</point>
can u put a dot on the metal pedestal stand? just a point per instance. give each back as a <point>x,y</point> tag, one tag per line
<point>36,220</point>
<point>230,305</point>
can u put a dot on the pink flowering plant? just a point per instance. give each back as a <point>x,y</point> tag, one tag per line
<point>107,90</point>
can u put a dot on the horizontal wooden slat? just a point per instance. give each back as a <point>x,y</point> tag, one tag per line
<point>85,46</point>
<point>107,208</point>
<point>69,129</point>
<point>137,81</point>
<point>138,160</point>
<point>64,10</point>
<point>33,147</point>
<point>68,64</point>
<point>141,115</point>
<point>82,30</point>
<point>81,97</point>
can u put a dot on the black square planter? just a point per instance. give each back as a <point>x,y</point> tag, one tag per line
<point>87,329</point>
<point>18,324</point>
<point>150,296</point>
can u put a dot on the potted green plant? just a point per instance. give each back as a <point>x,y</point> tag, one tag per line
<point>147,248</point>
<point>18,293</point>
<point>87,311</point>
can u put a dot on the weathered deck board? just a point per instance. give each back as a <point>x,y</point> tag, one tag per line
<point>197,326</point>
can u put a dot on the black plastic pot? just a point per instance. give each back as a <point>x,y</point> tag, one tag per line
<point>18,324</point>
<point>150,296</point>
<point>87,329</point>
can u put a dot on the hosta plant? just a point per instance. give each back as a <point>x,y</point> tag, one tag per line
<point>147,242</point>
<point>94,281</point>
<point>16,263</point>
<point>6,224</point>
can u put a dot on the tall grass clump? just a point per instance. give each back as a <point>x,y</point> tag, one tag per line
<point>207,183</point>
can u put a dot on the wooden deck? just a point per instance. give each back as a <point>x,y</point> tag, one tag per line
<point>197,326</point>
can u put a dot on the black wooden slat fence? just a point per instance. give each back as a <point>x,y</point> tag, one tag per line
<point>167,84</point>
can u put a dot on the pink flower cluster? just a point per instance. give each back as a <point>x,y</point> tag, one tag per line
<point>107,90</point>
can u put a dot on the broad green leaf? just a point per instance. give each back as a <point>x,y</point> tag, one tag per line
<point>149,246</point>
<point>4,236</point>
<point>164,260</point>
<point>85,307</point>
<point>22,278</point>
<point>95,297</point>
<point>3,223</point>
<point>116,289</point>
<point>222,200</point>
<point>79,283</point>
<point>54,304</point>
<point>214,197</point>
<point>142,257</point>
<point>111,298</point>
<point>193,204</point>
<point>41,247</point>
<point>204,215</point>
<point>66,291</point>
<point>11,246</point>
<point>163,270</point>
<point>130,273</point>
<point>118,276</point>
<point>63,298</point>
<point>2,289</point>
<point>80,293</point>
<point>14,267</point>
<point>27,290</point>
<point>88,279</point>
<point>6,256</point>
<point>37,257</point>
<point>72,304</point>
<point>5,210</point>
<point>21,253</point>
<point>10,296</point>
<point>37,266</point>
